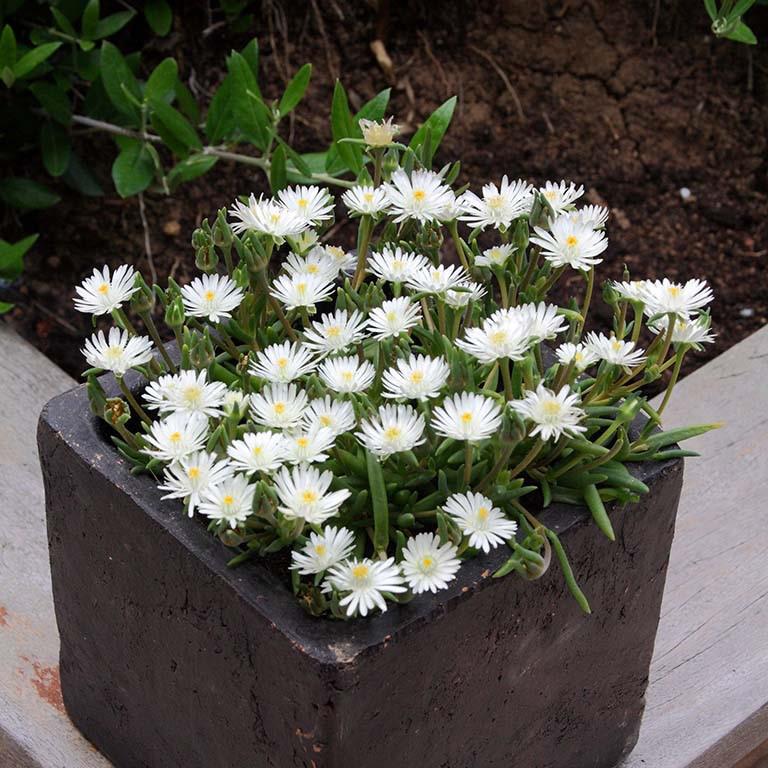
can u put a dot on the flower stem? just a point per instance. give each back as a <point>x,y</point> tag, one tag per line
<point>137,409</point>
<point>468,455</point>
<point>579,327</point>
<point>673,380</point>
<point>363,239</point>
<point>153,332</point>
<point>527,459</point>
<point>507,378</point>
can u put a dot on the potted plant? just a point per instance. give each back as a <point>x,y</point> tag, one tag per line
<point>381,440</point>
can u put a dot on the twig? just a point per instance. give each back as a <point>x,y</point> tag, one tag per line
<point>147,241</point>
<point>655,23</point>
<point>503,75</point>
<point>548,123</point>
<point>431,56</point>
<point>332,68</point>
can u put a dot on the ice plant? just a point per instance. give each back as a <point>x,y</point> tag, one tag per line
<point>381,412</point>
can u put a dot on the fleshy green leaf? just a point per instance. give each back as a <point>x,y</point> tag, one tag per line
<point>159,16</point>
<point>133,169</point>
<point>5,307</point>
<point>12,257</point>
<point>90,19</point>
<point>711,9</point>
<point>220,121</point>
<point>119,82</point>
<point>31,59</point>
<point>277,171</point>
<point>741,33</point>
<point>56,148</point>
<point>109,25</point>
<point>26,194</point>
<point>7,48</point>
<point>342,127</point>
<point>252,114</point>
<point>173,128</point>
<point>295,90</point>
<point>436,125</point>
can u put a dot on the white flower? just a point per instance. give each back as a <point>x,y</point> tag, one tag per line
<point>309,447</point>
<point>428,565</point>
<point>366,199</point>
<point>561,196</point>
<point>317,263</point>
<point>553,414</point>
<point>345,261</point>
<point>235,399</point>
<point>266,217</point>
<point>378,133</point>
<point>312,205</point>
<point>467,416</point>
<point>176,436</point>
<point>463,294</point>
<point>192,476</point>
<point>395,265</point>
<point>303,492</point>
<point>280,406</point>
<point>451,210</point>
<point>570,243</point>
<point>613,350</point>
<point>305,240</point>
<point>211,296</point>
<point>542,320</point>
<point>439,279</point>
<point>229,502</point>
<point>191,392</point>
<point>335,333</point>
<point>504,334</point>
<point>422,196</point>
<point>486,525</point>
<point>364,581</point>
<point>100,293</point>
<point>323,551</point>
<point>158,393</point>
<point>578,354</point>
<point>347,374</point>
<point>336,415</point>
<point>499,206</point>
<point>393,317</point>
<point>397,428</point>
<point>417,378</point>
<point>595,216</point>
<point>695,331</point>
<point>118,352</point>
<point>664,296</point>
<point>283,362</point>
<point>497,256</point>
<point>258,452</point>
<point>631,291</point>
<point>301,290</point>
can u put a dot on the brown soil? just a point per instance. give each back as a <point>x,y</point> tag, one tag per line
<point>603,103</point>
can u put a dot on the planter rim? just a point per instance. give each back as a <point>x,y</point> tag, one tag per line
<point>327,641</point>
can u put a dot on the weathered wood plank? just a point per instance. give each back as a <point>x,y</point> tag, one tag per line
<point>34,729</point>
<point>707,703</point>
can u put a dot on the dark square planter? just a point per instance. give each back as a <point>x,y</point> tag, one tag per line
<point>169,658</point>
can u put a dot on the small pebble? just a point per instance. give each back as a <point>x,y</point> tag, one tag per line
<point>685,194</point>
<point>746,312</point>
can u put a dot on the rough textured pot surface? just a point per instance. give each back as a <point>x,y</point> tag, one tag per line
<point>169,658</point>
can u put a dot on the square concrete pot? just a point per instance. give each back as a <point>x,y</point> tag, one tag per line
<point>170,659</point>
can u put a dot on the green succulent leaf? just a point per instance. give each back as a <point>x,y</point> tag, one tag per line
<point>295,90</point>
<point>434,127</point>
<point>12,256</point>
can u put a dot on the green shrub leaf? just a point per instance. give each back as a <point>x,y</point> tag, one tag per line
<point>12,257</point>
<point>109,25</point>
<point>220,121</point>
<point>295,90</point>
<point>25,194</point>
<point>31,59</point>
<point>162,83</point>
<point>159,16</point>
<point>55,146</point>
<point>342,127</point>
<point>118,80</point>
<point>7,48</point>
<point>133,169</point>
<point>277,171</point>
<point>252,114</point>
<point>80,178</point>
<point>174,129</point>
<point>53,100</point>
<point>194,166</point>
<point>434,127</point>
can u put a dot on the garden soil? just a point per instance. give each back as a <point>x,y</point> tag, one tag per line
<point>659,120</point>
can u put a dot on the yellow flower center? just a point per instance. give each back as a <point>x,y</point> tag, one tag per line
<point>320,549</point>
<point>302,203</point>
<point>282,362</point>
<point>192,393</point>
<point>615,345</point>
<point>279,408</point>
<point>673,291</point>
<point>301,289</point>
<point>571,241</point>
<point>309,497</point>
<point>551,407</point>
<point>427,562</point>
<point>326,421</point>
<point>391,433</point>
<point>275,218</point>
<point>482,513</point>
<point>228,500</point>
<point>193,473</point>
<point>417,377</point>
<point>115,352</point>
<point>367,197</point>
<point>302,442</point>
<point>313,269</point>
<point>495,202</point>
<point>103,288</point>
<point>209,295</point>
<point>551,195</point>
<point>391,317</point>
<point>333,331</point>
<point>360,571</point>
<point>257,450</point>
<point>419,195</point>
<point>497,337</point>
<point>335,251</point>
<point>174,437</point>
<point>347,376</point>
<point>466,417</point>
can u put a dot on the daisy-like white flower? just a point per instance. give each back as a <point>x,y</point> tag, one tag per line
<point>231,501</point>
<point>695,331</point>
<point>283,362</point>
<point>309,447</point>
<point>347,374</point>
<point>542,320</point>
<point>366,200</point>
<point>499,206</point>
<point>258,452</point>
<point>396,428</point>
<point>323,550</point>
<point>422,196</point>
<point>192,476</point>
<point>417,378</point>
<point>467,416</point>
<point>117,352</point>
<point>554,414</point>
<point>336,415</point>
<point>486,525</point>
<point>266,217</point>
<point>362,582</point>
<point>316,263</point>
<point>279,406</point>
<point>502,335</point>
<point>439,279</point>
<point>596,216</point>
<point>613,350</point>
<point>451,210</point>
<point>300,290</point>
<point>570,243</point>
<point>191,392</point>
<point>393,317</point>
<point>235,400</point>
<point>312,205</point>
<point>345,261</point>
<point>335,332</point>
<point>178,435</point>
<point>211,296</point>
<point>578,354</point>
<point>303,492</point>
<point>463,294</point>
<point>497,256</point>
<point>428,565</point>
<point>100,293</point>
<point>561,196</point>
<point>664,296</point>
<point>632,290</point>
<point>378,133</point>
<point>158,393</point>
<point>395,265</point>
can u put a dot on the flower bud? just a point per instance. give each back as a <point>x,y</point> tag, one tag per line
<point>222,232</point>
<point>174,313</point>
<point>143,300</point>
<point>206,258</point>
<point>202,353</point>
<point>116,411</point>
